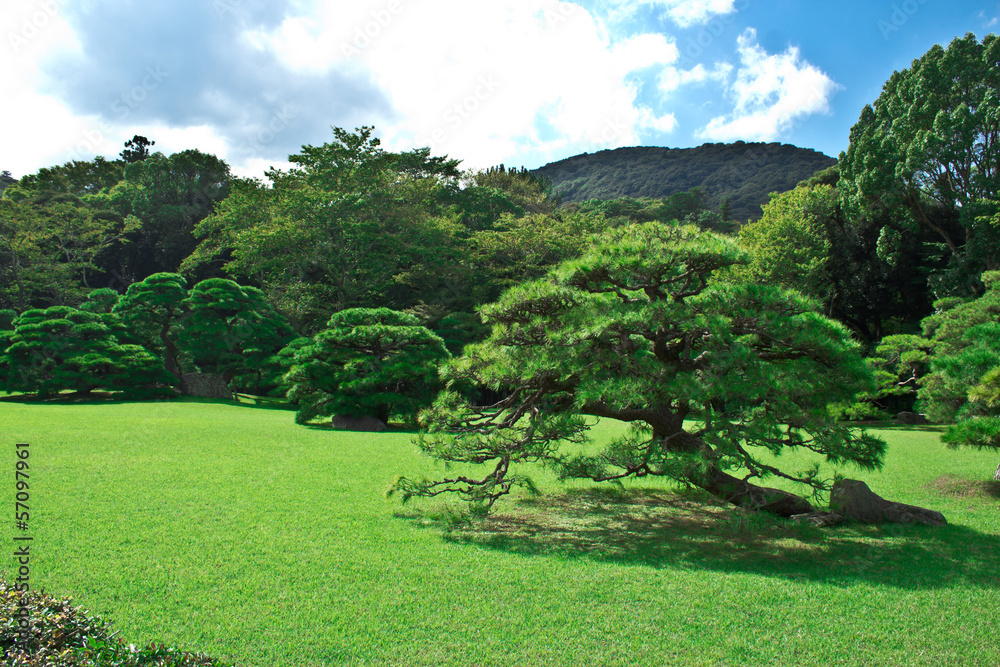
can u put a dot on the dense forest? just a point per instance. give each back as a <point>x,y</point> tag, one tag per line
<point>740,174</point>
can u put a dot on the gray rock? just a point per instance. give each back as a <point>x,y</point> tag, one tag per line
<point>205,385</point>
<point>370,424</point>
<point>856,502</point>
<point>911,418</point>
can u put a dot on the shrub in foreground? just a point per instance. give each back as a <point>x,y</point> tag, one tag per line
<point>39,629</point>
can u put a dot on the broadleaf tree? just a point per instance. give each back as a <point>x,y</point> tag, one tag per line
<point>929,146</point>
<point>715,380</point>
<point>336,230</point>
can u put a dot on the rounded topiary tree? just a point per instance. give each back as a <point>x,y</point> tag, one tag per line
<point>61,348</point>
<point>963,384</point>
<point>230,329</point>
<point>7,318</point>
<point>152,310</point>
<point>367,363</point>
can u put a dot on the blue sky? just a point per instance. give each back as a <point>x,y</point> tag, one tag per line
<point>518,82</point>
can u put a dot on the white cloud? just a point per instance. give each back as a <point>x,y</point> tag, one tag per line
<point>770,93</point>
<point>691,12</point>
<point>504,81</point>
<point>672,78</point>
<point>41,126</point>
<point>486,81</point>
<point>684,13</point>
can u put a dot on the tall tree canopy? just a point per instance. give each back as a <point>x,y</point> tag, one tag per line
<point>79,177</point>
<point>334,231</point>
<point>165,198</point>
<point>930,146</point>
<point>866,274</point>
<point>136,149</point>
<point>50,245</point>
<point>714,379</point>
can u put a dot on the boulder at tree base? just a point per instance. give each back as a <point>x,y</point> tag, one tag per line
<point>854,501</point>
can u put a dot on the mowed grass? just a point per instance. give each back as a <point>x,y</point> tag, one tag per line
<point>230,530</point>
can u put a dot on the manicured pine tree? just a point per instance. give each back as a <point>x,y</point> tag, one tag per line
<point>62,348</point>
<point>964,379</point>
<point>6,333</point>
<point>230,328</point>
<point>369,362</point>
<point>714,379</point>
<point>268,378</point>
<point>152,310</point>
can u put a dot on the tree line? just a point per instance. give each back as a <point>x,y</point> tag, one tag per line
<point>345,280</point>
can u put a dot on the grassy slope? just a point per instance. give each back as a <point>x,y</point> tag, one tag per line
<point>232,531</point>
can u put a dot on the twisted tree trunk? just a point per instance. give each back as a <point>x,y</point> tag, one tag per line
<point>733,489</point>
<point>752,497</point>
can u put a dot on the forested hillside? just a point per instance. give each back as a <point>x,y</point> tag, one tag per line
<point>744,172</point>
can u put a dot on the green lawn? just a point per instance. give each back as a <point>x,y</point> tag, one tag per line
<point>230,530</point>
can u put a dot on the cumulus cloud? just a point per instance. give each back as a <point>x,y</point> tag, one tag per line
<point>673,78</point>
<point>253,80</point>
<point>770,92</point>
<point>188,64</point>
<point>39,126</point>
<point>684,13</point>
<point>691,12</point>
<point>485,82</point>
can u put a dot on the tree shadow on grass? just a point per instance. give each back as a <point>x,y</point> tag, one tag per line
<point>392,427</point>
<point>893,425</point>
<point>690,530</point>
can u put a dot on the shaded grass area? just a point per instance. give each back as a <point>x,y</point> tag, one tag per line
<point>230,530</point>
<point>691,530</point>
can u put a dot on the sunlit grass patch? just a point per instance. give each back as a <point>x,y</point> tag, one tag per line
<point>228,529</point>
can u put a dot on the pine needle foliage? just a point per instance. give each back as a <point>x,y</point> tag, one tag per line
<point>713,377</point>
<point>369,362</point>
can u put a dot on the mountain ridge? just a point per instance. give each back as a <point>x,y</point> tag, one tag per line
<point>745,172</point>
